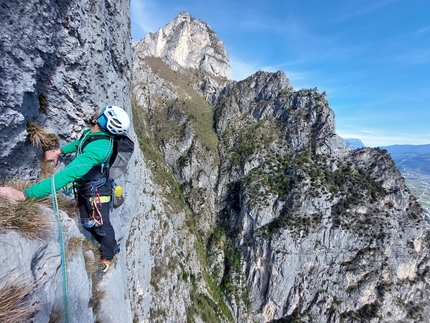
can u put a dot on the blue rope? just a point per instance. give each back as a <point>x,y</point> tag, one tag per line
<point>63,254</point>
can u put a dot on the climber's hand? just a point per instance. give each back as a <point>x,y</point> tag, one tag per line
<point>52,155</point>
<point>12,193</point>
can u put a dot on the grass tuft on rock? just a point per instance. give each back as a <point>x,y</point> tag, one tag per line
<point>26,218</point>
<point>15,305</point>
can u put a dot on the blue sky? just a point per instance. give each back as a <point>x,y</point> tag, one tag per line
<point>372,57</point>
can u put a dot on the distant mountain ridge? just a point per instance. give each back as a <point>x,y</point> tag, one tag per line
<point>413,149</point>
<point>410,158</point>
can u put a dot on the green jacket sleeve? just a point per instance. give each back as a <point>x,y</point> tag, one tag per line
<point>95,153</point>
<point>71,147</point>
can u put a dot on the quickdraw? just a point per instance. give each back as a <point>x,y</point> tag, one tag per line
<point>96,214</point>
<point>96,200</point>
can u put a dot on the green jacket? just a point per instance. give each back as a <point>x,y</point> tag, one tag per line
<point>95,153</point>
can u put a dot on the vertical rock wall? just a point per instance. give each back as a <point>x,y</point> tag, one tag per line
<point>60,61</point>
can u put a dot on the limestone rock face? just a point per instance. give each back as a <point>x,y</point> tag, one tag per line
<point>297,227</point>
<point>37,263</point>
<point>317,225</point>
<point>188,43</point>
<point>60,61</point>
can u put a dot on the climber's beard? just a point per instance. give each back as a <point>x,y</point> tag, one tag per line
<point>93,120</point>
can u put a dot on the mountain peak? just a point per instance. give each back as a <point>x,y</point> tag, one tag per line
<point>184,16</point>
<point>187,43</point>
<point>353,143</point>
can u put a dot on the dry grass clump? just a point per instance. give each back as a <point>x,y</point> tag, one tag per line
<point>14,303</point>
<point>67,205</point>
<point>56,315</point>
<point>97,296</point>
<point>43,102</point>
<point>47,169</point>
<point>39,138</point>
<point>64,203</point>
<point>73,246</point>
<point>26,218</point>
<point>91,255</point>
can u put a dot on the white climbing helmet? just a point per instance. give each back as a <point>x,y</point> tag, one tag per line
<point>114,120</point>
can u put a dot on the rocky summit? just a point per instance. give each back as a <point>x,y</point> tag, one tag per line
<point>241,202</point>
<point>188,43</point>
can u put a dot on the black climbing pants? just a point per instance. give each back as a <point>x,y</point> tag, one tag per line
<point>104,234</point>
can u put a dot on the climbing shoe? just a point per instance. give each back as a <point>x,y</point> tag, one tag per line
<point>103,268</point>
<point>117,249</point>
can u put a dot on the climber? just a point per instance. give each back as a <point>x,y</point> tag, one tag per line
<point>88,171</point>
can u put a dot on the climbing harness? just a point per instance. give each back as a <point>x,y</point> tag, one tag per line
<point>62,249</point>
<point>96,201</point>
